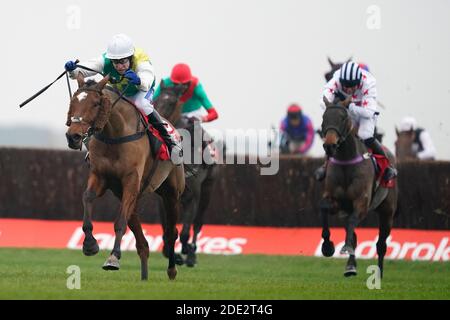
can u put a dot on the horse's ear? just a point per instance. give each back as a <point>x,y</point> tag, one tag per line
<point>103,82</point>
<point>103,114</point>
<point>80,80</point>
<point>330,62</point>
<point>162,85</point>
<point>327,103</point>
<point>349,59</point>
<point>397,132</point>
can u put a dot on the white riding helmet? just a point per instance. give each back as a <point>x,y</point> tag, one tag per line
<point>408,124</point>
<point>120,46</point>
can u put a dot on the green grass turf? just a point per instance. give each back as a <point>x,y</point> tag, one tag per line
<point>41,274</point>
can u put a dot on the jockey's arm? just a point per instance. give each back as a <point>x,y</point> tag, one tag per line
<point>429,151</point>
<point>328,93</point>
<point>309,138</point>
<point>206,103</point>
<point>97,63</point>
<point>146,73</point>
<point>369,103</point>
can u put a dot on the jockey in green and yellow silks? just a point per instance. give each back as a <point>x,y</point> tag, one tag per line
<point>131,72</point>
<point>194,99</point>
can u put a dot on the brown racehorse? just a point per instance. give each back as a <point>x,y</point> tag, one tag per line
<point>404,145</point>
<point>121,160</point>
<point>199,185</point>
<point>349,185</point>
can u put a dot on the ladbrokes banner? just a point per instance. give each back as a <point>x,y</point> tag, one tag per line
<point>226,240</point>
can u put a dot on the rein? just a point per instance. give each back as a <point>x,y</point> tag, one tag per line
<point>101,137</point>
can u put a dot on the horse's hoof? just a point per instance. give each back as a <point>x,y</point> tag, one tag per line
<point>179,259</point>
<point>90,249</point>
<point>350,271</point>
<point>112,263</point>
<point>172,273</point>
<point>191,259</point>
<point>346,249</point>
<point>328,249</point>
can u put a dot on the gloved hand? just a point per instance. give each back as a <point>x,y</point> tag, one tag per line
<point>70,66</point>
<point>132,77</point>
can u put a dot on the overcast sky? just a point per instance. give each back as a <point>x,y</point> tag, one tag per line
<point>254,57</point>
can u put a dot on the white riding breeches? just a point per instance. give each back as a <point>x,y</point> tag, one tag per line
<point>143,100</point>
<point>366,126</point>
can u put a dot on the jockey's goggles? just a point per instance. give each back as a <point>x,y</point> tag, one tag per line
<point>120,61</point>
<point>350,83</point>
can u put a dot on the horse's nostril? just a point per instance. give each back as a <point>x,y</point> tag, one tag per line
<point>73,138</point>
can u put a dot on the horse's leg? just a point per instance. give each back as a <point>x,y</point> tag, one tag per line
<point>171,196</point>
<point>95,189</point>
<point>352,223</point>
<point>141,244</point>
<point>130,185</point>
<point>325,209</point>
<point>190,207</point>
<point>360,207</point>
<point>385,221</point>
<point>350,269</point>
<point>205,197</point>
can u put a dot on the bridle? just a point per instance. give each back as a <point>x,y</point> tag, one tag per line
<point>342,136</point>
<point>77,119</point>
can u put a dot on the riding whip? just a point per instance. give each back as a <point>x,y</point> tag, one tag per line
<point>44,89</point>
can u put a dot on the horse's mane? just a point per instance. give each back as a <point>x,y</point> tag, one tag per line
<point>90,83</point>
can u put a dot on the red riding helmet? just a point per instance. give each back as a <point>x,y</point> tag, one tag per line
<point>181,73</point>
<point>294,108</point>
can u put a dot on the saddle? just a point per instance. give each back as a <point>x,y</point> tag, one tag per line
<point>381,187</point>
<point>380,164</point>
<point>157,145</point>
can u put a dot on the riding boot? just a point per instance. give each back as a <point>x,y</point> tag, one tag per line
<point>321,172</point>
<point>174,147</point>
<point>377,148</point>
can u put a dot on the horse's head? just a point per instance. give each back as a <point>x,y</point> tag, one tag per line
<point>336,125</point>
<point>404,144</point>
<point>88,112</point>
<point>168,103</point>
<point>334,67</point>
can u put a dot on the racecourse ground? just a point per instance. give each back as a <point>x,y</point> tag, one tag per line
<point>41,274</point>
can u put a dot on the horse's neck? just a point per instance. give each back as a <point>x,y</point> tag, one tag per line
<point>122,120</point>
<point>350,148</point>
<point>175,117</point>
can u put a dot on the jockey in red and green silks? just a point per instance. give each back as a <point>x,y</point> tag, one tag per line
<point>194,99</point>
